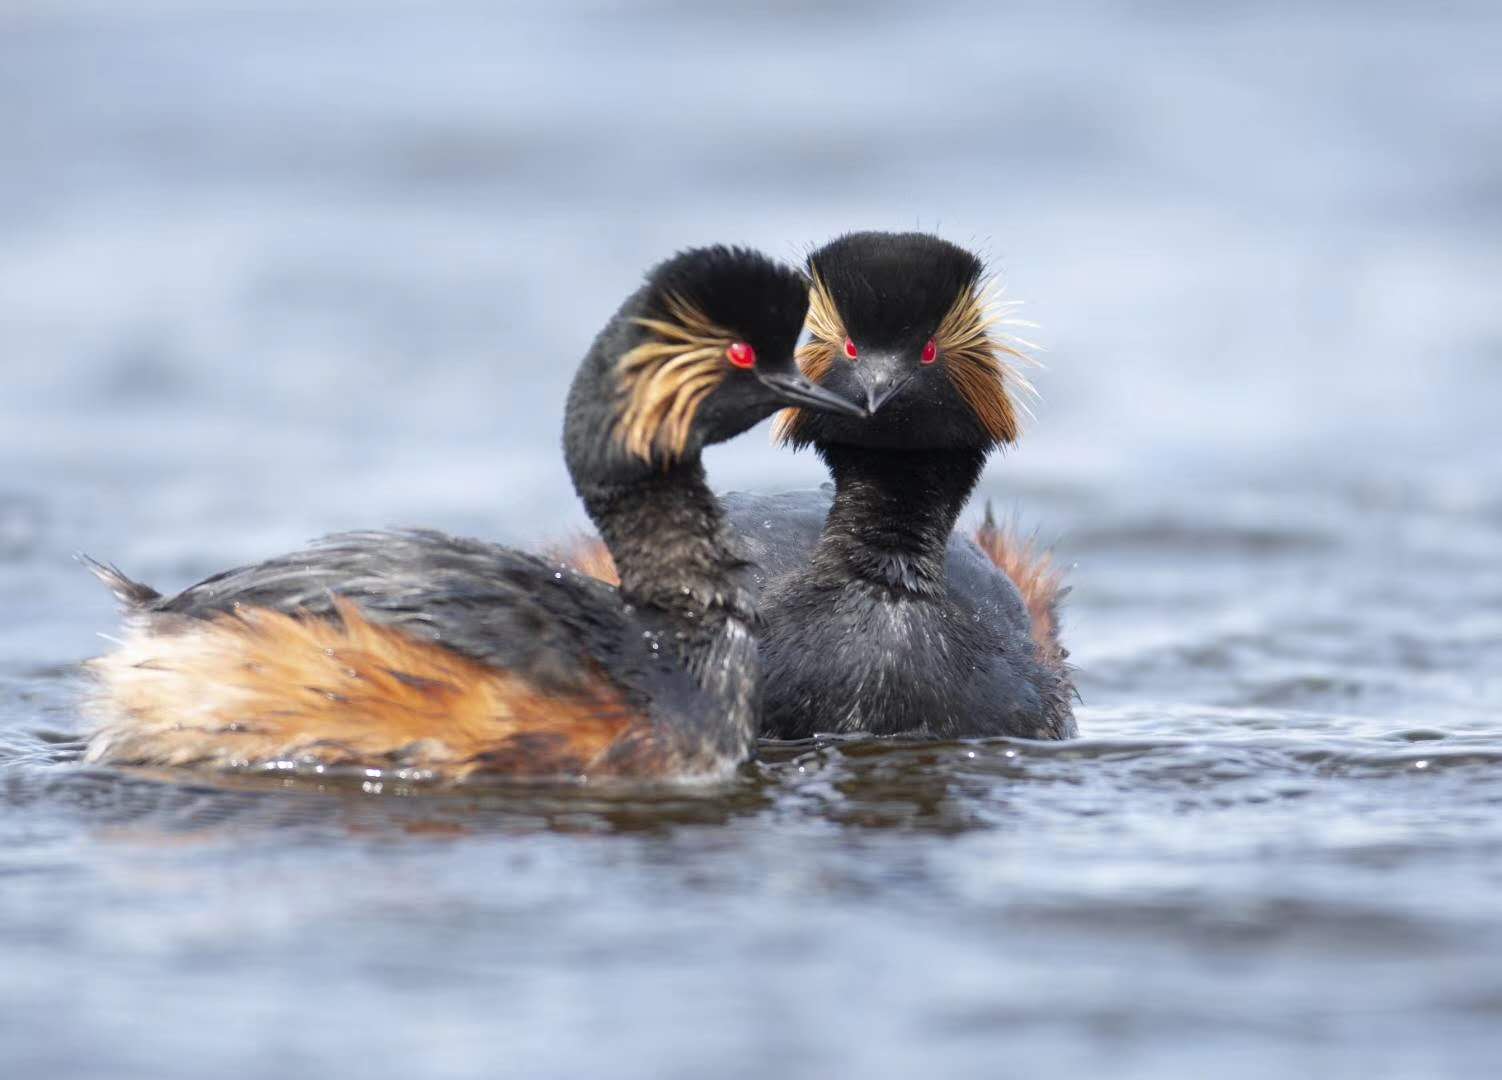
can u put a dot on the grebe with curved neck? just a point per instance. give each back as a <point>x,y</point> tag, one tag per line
<point>450,657</point>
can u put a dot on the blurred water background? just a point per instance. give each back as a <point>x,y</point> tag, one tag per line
<point>269,270</point>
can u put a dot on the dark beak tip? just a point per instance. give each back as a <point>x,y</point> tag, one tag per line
<point>883,388</point>
<point>797,390</point>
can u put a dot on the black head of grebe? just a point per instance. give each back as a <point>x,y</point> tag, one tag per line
<point>904,322</point>
<point>701,352</point>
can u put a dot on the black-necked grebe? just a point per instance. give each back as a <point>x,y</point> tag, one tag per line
<point>878,616</point>
<point>886,620</point>
<point>449,656</point>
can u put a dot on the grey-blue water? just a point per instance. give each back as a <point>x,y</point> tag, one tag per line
<point>269,270</point>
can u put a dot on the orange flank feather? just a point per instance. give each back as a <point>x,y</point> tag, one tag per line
<point>1037,578</point>
<point>588,555</point>
<point>257,686</point>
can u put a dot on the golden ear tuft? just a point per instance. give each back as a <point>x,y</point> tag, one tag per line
<point>983,363</point>
<point>665,380</point>
<point>816,356</point>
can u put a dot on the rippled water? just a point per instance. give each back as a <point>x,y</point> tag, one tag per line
<point>268,271</point>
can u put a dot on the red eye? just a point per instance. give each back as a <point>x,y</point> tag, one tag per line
<point>741,355</point>
<point>930,352</point>
<point>850,348</point>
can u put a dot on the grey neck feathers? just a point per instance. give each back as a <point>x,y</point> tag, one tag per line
<point>892,516</point>
<point>683,569</point>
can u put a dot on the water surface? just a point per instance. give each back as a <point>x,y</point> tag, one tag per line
<point>268,271</point>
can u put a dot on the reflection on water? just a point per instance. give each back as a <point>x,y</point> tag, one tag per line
<point>272,271</point>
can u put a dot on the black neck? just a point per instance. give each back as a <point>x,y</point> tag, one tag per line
<point>683,569</point>
<point>892,515</point>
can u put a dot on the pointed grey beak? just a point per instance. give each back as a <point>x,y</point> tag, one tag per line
<point>798,390</point>
<point>881,376</point>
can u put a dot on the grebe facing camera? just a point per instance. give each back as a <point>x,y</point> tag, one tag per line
<point>879,617</point>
